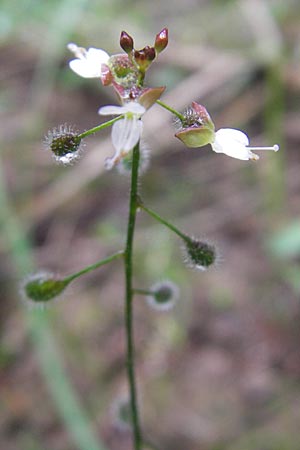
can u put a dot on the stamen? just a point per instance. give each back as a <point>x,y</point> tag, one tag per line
<point>275,148</point>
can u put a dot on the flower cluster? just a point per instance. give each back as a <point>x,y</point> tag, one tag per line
<point>126,73</point>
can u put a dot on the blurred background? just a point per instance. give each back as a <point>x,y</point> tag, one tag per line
<point>221,371</point>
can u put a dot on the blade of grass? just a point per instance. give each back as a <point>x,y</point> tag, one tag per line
<point>39,327</point>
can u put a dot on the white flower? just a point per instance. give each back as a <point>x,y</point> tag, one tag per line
<point>88,62</point>
<point>127,131</point>
<point>235,143</point>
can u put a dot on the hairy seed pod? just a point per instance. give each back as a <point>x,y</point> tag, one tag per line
<point>199,254</point>
<point>64,143</point>
<point>163,295</point>
<point>42,287</point>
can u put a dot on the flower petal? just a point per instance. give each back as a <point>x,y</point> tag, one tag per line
<point>134,134</point>
<point>232,143</point>
<point>84,69</point>
<point>88,63</point>
<point>97,56</point>
<point>232,134</point>
<point>135,108</point>
<point>233,149</point>
<point>126,133</point>
<point>111,110</point>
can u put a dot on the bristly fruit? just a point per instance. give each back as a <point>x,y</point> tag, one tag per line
<point>42,287</point>
<point>163,295</point>
<point>64,143</point>
<point>199,254</point>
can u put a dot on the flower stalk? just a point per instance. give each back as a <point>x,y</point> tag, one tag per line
<point>130,359</point>
<point>94,266</point>
<point>171,110</point>
<point>164,222</point>
<point>100,127</point>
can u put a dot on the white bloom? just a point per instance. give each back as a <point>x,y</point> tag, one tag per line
<point>88,62</point>
<point>127,131</point>
<point>235,143</point>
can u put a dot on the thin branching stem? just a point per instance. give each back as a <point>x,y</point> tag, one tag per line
<point>94,266</point>
<point>100,127</point>
<point>164,222</point>
<point>171,110</point>
<point>130,359</point>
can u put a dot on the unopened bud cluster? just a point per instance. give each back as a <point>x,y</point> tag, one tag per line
<point>142,59</point>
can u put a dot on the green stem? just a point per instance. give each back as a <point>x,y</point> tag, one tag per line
<point>163,221</point>
<point>99,127</point>
<point>94,266</point>
<point>170,109</point>
<point>137,436</point>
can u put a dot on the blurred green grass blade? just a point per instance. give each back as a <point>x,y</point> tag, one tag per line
<point>39,326</point>
<point>59,386</point>
<point>286,242</point>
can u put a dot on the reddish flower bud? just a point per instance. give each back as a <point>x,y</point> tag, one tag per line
<point>144,57</point>
<point>126,42</point>
<point>161,40</point>
<point>149,53</point>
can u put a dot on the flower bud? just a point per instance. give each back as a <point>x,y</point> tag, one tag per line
<point>163,295</point>
<point>126,42</point>
<point>65,144</point>
<point>144,57</point>
<point>161,40</point>
<point>199,254</point>
<point>42,287</point>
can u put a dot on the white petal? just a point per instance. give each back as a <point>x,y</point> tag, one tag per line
<point>112,110</point>
<point>232,134</point>
<point>88,63</point>
<point>97,56</point>
<point>232,143</point>
<point>134,134</point>
<point>233,149</point>
<point>84,69</point>
<point>126,134</point>
<point>135,108</point>
<point>118,132</point>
